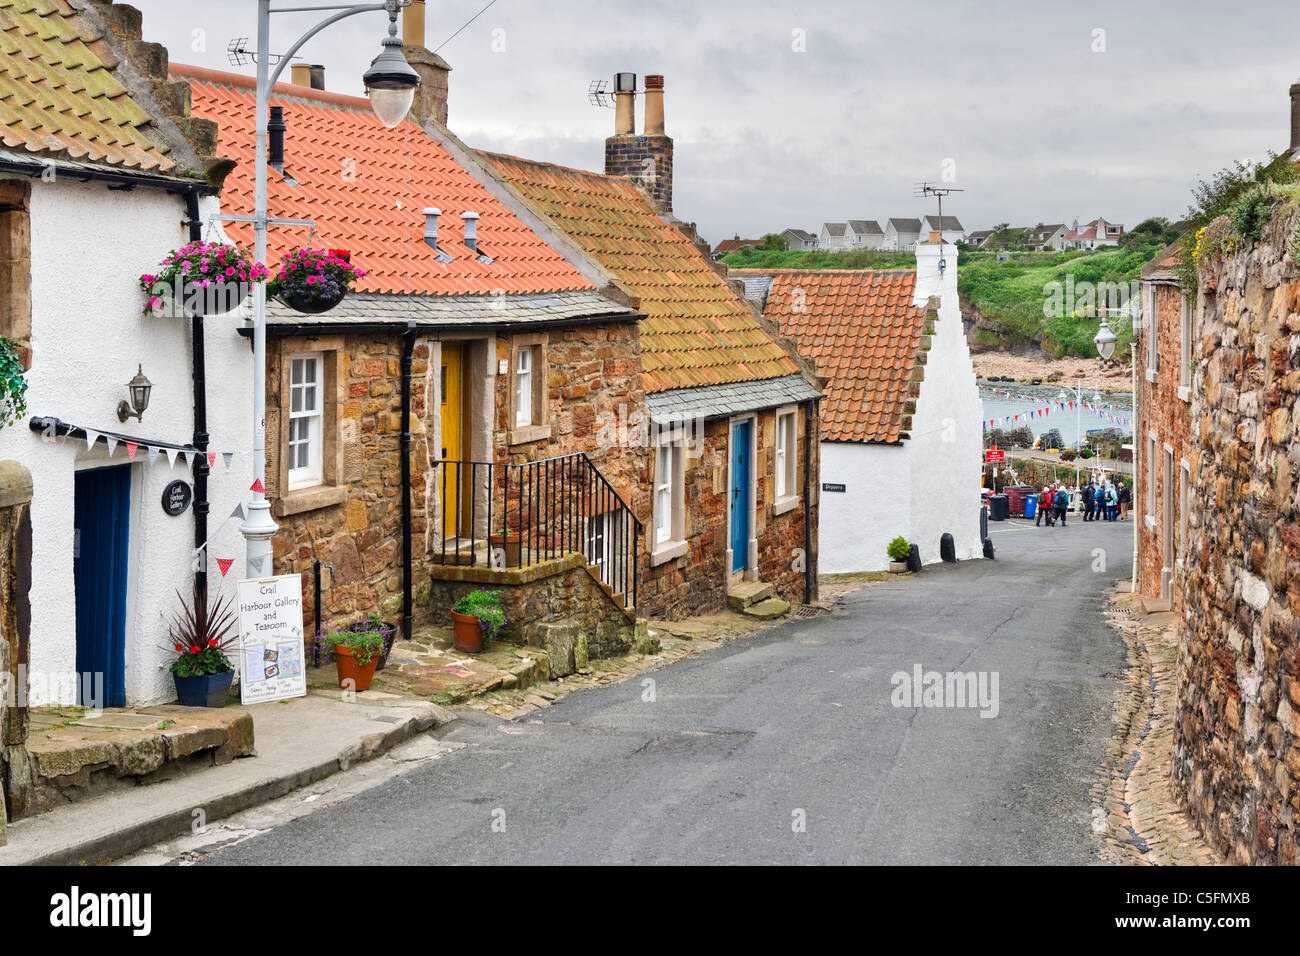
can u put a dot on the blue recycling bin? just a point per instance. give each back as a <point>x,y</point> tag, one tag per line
<point>1031,505</point>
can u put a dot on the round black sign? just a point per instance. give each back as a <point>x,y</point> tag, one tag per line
<point>176,498</point>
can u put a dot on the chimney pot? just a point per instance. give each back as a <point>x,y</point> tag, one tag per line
<point>431,215</point>
<point>300,74</point>
<point>654,105</point>
<point>624,103</point>
<point>318,76</point>
<point>413,24</point>
<point>1295,118</point>
<point>471,230</point>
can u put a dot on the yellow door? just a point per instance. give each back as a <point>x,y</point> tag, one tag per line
<point>451,433</point>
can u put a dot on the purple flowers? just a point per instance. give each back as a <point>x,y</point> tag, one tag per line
<point>315,277</point>
<point>197,264</point>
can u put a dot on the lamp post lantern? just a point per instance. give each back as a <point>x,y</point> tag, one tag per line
<point>391,83</point>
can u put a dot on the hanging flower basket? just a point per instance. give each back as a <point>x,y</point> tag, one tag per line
<point>314,281</point>
<point>201,279</point>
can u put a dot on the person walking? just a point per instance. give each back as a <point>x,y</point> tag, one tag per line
<point>1061,501</point>
<point>1112,502</point>
<point>1042,509</point>
<point>1088,491</point>
<point>1125,498</point>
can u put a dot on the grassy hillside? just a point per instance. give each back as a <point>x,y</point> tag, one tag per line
<point>1007,299</point>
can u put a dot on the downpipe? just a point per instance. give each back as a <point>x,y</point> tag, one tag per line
<point>408,352</point>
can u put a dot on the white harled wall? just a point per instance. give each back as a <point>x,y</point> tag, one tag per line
<point>89,246</point>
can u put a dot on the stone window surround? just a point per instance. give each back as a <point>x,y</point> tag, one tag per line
<point>675,546</point>
<point>1185,350</point>
<point>15,265</point>
<point>540,429</point>
<point>790,500</point>
<point>1151,345</point>
<point>332,490</point>
<point>1153,443</point>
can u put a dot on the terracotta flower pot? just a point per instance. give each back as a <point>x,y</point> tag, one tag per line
<point>349,670</point>
<point>467,633</point>
<point>510,544</point>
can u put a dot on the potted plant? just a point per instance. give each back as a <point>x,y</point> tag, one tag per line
<point>356,649</point>
<point>201,279</point>
<point>313,280</point>
<point>13,387</point>
<point>898,552</point>
<point>200,632</point>
<point>509,542</point>
<point>476,616</point>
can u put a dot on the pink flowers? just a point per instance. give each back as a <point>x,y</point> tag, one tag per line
<point>199,265</point>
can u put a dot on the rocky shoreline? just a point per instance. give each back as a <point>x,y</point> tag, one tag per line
<point>1005,366</point>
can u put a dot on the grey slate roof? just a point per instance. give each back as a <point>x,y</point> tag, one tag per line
<point>757,287</point>
<point>376,309</point>
<point>865,227</point>
<point>717,401</point>
<point>800,234</point>
<point>950,223</point>
<point>906,225</point>
<point>835,228</point>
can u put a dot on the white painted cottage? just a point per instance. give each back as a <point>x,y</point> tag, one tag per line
<point>97,186</point>
<point>901,425</point>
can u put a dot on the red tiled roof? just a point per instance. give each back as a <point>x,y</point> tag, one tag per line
<point>365,187</point>
<point>729,245</point>
<point>862,330</point>
<point>698,331</point>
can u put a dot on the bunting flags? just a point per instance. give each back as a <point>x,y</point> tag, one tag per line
<point>111,441</point>
<point>258,486</point>
<point>171,456</point>
<point>224,564</point>
<point>91,438</point>
<point>131,447</point>
<point>227,457</point>
<point>237,513</point>
<point>212,459</point>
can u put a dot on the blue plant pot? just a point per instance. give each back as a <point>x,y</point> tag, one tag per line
<point>209,690</point>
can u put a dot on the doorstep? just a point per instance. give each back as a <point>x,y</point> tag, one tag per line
<point>297,742</point>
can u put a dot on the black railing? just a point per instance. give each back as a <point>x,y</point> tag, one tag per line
<point>506,515</point>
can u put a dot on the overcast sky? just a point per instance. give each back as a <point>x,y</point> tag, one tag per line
<point>791,114</point>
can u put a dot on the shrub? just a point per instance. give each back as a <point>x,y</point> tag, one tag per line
<point>1067,454</point>
<point>1085,453</point>
<point>13,387</point>
<point>199,633</point>
<point>899,549</point>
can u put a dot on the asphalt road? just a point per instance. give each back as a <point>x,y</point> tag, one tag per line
<point>740,745</point>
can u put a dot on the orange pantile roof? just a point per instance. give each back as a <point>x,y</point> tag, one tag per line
<point>365,187</point>
<point>697,331</point>
<point>862,330</point>
<point>59,95</point>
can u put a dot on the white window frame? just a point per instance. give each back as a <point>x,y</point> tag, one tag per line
<point>1153,452</point>
<point>1185,346</point>
<point>1152,338</point>
<point>525,369</point>
<point>312,473</point>
<point>667,532</point>
<point>785,460</point>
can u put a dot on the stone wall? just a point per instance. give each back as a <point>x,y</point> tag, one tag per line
<point>15,632</point>
<point>561,592</point>
<point>1237,745</point>
<point>1162,410</point>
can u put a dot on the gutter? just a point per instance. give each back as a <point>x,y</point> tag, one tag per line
<point>809,438</point>
<point>36,168</point>
<point>408,351</point>
<point>200,441</point>
<point>436,327</point>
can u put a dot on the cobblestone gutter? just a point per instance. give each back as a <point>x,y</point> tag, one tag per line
<point>1135,813</point>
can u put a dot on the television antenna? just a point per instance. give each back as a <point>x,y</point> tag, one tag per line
<point>598,94</point>
<point>938,192</point>
<point>238,54</point>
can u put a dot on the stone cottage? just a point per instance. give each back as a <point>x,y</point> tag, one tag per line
<point>901,428</point>
<point>456,393</point>
<point>732,476</point>
<point>102,174</point>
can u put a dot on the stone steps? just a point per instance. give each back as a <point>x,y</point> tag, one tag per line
<point>756,599</point>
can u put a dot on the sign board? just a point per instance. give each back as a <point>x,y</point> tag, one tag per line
<point>831,486</point>
<point>176,497</point>
<point>994,454</point>
<point>272,663</point>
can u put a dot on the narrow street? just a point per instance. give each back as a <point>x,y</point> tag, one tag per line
<point>720,758</point>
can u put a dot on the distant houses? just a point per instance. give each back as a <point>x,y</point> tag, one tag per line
<point>799,240</point>
<point>1099,232</point>
<point>901,234</point>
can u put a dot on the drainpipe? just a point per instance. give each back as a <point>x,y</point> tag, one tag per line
<point>200,440</point>
<point>807,505</point>
<point>408,351</point>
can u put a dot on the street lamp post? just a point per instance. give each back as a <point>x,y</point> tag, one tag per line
<point>1077,393</point>
<point>391,84</point>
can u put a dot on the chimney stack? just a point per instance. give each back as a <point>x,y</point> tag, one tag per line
<point>1295,120</point>
<point>471,230</point>
<point>431,95</point>
<point>300,74</point>
<point>318,76</point>
<point>647,159</point>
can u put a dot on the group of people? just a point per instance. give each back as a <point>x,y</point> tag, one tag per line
<point>1100,500</point>
<point>1105,501</point>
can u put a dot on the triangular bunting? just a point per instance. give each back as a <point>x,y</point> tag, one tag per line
<point>258,486</point>
<point>238,512</point>
<point>184,456</point>
<point>212,459</point>
<point>171,456</point>
<point>153,453</point>
<point>112,444</point>
<point>131,447</point>
<point>227,457</point>
<point>224,564</point>
<point>91,438</point>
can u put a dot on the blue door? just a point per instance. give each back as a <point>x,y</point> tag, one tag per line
<point>740,442</point>
<point>102,521</point>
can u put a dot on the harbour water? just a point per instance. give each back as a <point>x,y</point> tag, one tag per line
<point>1002,400</point>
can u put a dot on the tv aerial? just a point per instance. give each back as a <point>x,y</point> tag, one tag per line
<point>924,189</point>
<point>598,94</point>
<point>238,54</point>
